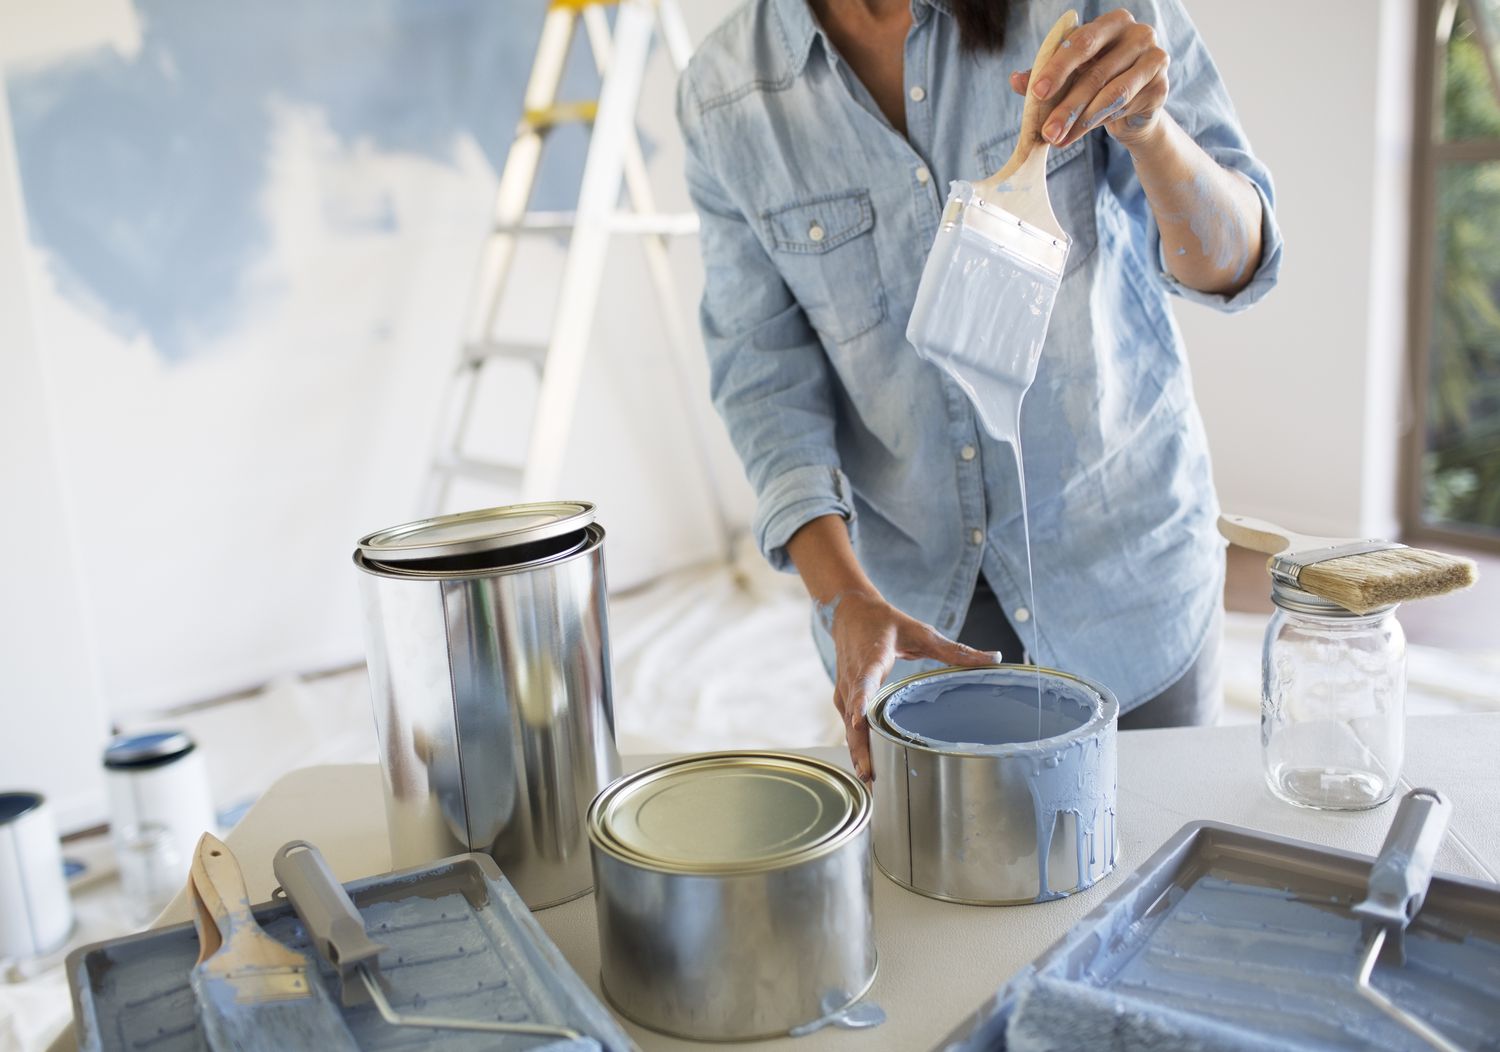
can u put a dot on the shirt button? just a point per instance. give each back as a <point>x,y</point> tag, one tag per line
<point>1022,614</point>
<point>815,232</point>
<point>917,94</point>
<point>977,537</point>
<point>968,452</point>
<point>923,175</point>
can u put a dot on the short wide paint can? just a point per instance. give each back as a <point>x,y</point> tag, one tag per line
<point>36,915</point>
<point>734,894</point>
<point>995,785</point>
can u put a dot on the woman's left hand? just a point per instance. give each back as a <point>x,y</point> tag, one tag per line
<point>1109,72</point>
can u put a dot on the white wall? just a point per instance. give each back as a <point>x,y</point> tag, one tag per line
<point>1301,394</point>
<point>53,716</point>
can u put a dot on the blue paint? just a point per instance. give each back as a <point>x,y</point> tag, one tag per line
<point>1106,113</point>
<point>1219,226</point>
<point>1054,727</point>
<point>1233,964</point>
<point>143,174</point>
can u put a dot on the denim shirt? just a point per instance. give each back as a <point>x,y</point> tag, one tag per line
<point>816,220</point>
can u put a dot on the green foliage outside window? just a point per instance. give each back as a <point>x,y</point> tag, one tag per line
<point>1461,461</point>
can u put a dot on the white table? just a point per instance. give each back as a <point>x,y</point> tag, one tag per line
<point>939,961</point>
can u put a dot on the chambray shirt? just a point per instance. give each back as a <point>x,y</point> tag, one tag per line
<point>816,220</point>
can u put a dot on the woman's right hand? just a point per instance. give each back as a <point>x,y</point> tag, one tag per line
<point>869,634</point>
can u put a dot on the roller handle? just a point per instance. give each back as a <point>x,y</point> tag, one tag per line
<point>334,926</point>
<point>1403,871</point>
<point>1035,111</point>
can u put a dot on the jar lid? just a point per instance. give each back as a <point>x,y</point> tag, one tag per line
<point>472,532</point>
<point>14,805</point>
<point>152,749</point>
<point>1289,597</point>
<point>727,812</point>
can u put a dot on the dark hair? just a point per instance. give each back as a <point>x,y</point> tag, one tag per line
<point>981,23</point>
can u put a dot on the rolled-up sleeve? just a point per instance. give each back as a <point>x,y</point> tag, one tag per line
<point>1200,103</point>
<point>768,374</point>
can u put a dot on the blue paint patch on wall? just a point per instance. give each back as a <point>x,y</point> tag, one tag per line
<point>142,176</point>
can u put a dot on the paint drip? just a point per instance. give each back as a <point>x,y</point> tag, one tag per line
<point>1069,768</point>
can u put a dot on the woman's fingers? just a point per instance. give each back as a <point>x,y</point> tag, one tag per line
<point>926,642</point>
<point>1125,95</point>
<point>1018,81</point>
<point>1087,93</point>
<point>863,686</point>
<point>1078,48</point>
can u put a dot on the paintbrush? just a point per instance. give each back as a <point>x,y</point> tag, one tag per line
<point>991,278</point>
<point>1359,575</point>
<point>254,994</point>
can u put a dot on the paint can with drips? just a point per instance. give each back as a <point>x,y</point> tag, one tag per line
<point>995,785</point>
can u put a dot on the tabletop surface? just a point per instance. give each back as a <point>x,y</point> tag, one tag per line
<point>939,961</point>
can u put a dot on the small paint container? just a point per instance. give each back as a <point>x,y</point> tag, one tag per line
<point>995,785</point>
<point>734,894</point>
<point>36,915</point>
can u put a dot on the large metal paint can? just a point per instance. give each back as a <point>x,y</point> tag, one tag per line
<point>488,653</point>
<point>994,785</point>
<point>734,894</point>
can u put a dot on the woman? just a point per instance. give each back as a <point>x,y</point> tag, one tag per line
<point>820,137</point>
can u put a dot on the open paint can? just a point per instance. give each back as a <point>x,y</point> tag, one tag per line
<point>994,785</point>
<point>488,651</point>
<point>733,894</point>
<point>36,914</point>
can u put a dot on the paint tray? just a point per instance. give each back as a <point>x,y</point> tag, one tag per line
<point>490,960</point>
<point>1253,932</point>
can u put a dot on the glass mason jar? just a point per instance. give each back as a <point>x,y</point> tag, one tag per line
<point>1333,702</point>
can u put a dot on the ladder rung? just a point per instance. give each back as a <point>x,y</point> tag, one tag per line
<point>533,354</point>
<point>579,5</point>
<point>668,224</point>
<point>582,111</point>
<point>506,476</point>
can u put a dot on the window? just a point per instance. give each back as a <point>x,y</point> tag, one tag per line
<point>1453,477</point>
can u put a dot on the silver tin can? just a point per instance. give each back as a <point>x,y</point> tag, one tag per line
<point>488,653</point>
<point>994,785</point>
<point>734,894</point>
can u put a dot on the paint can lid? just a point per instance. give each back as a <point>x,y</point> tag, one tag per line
<point>152,749</point>
<point>728,812</point>
<point>18,804</point>
<point>473,532</point>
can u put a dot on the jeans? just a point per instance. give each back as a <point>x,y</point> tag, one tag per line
<point>1194,700</point>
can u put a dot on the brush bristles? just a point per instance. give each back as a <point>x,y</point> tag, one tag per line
<point>1367,582</point>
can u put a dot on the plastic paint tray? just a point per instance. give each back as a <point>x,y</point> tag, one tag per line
<point>491,960</point>
<point>1175,935</point>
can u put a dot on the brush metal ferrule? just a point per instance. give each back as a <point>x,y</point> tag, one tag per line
<point>1288,566</point>
<point>1012,233</point>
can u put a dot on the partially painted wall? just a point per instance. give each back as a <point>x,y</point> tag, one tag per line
<point>253,229</point>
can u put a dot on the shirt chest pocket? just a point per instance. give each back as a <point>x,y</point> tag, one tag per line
<point>1070,187</point>
<point>825,249</point>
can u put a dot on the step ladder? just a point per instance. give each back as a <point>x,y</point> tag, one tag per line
<point>614,155</point>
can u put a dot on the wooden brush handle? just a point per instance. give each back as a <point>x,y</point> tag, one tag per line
<point>1036,110</point>
<point>1261,536</point>
<point>222,900</point>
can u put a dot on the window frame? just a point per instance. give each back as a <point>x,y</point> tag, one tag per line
<point>1429,155</point>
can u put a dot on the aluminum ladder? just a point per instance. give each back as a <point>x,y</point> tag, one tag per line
<point>614,155</point>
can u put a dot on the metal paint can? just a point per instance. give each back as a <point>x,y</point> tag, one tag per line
<point>734,894</point>
<point>36,914</point>
<point>488,653</point>
<point>995,785</point>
